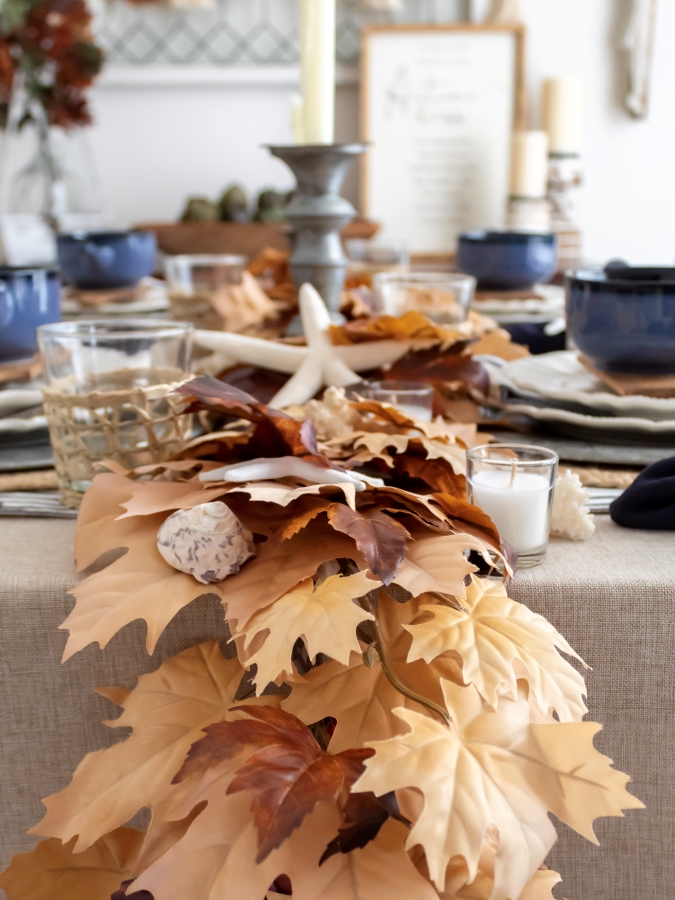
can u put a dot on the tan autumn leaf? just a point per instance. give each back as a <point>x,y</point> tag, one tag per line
<point>491,632</point>
<point>151,497</point>
<point>438,564</point>
<point>216,858</point>
<point>167,710</point>
<point>540,886</point>
<point>282,494</point>
<point>52,871</point>
<point>279,567</point>
<point>362,699</point>
<point>98,527</point>
<point>496,768</point>
<point>325,617</point>
<point>138,585</point>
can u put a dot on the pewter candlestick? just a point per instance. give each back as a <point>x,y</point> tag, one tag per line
<point>318,213</point>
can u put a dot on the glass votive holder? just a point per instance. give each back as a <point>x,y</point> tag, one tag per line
<point>414,398</point>
<point>110,395</point>
<point>444,297</point>
<point>200,285</point>
<point>514,484</point>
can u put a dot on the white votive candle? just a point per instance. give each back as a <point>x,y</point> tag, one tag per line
<point>518,503</point>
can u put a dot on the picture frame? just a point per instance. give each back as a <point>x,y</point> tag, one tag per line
<point>438,106</point>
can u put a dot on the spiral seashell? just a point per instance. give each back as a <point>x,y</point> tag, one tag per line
<point>208,542</point>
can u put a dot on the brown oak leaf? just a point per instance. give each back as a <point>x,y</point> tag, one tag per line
<point>437,474</point>
<point>53,871</point>
<point>168,711</point>
<point>438,564</point>
<point>287,773</point>
<point>380,538</point>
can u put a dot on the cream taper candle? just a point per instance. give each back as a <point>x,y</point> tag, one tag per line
<point>529,164</point>
<point>562,114</point>
<point>317,45</point>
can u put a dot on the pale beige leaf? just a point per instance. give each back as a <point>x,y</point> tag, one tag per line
<point>496,768</point>
<point>325,617</point>
<point>362,699</point>
<point>540,887</point>
<point>281,494</point>
<point>139,585</point>
<point>167,710</point>
<point>491,633</point>
<point>447,450</point>
<point>279,567</point>
<point>438,564</point>
<point>98,527</point>
<point>52,871</point>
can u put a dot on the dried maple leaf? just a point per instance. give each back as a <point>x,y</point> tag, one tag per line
<point>496,768</point>
<point>467,518</point>
<point>167,710</point>
<point>362,699</point>
<point>438,564</point>
<point>216,859</point>
<point>325,617</point>
<point>53,871</point>
<point>380,539</point>
<point>437,474</point>
<point>279,567</point>
<point>491,632</point>
<point>364,816</point>
<point>139,585</point>
<point>411,326</point>
<point>98,528</point>
<point>287,773</point>
<point>540,886</point>
<point>449,372</point>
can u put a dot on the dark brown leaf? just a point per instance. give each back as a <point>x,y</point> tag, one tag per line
<point>287,773</point>
<point>364,815</point>
<point>276,433</point>
<point>468,518</point>
<point>447,371</point>
<point>136,895</point>
<point>380,538</point>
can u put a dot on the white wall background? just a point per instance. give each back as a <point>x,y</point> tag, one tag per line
<point>156,144</point>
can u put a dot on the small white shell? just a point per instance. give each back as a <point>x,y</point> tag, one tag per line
<point>208,542</point>
<point>569,518</point>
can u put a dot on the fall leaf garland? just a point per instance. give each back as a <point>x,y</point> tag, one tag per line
<point>409,747</point>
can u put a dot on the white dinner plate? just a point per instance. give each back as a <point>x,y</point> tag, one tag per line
<point>615,429</point>
<point>560,377</point>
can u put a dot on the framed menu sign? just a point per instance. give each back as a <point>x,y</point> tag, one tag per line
<point>438,106</point>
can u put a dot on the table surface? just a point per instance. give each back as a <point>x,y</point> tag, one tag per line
<point>612,597</point>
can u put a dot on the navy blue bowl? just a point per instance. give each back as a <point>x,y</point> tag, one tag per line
<point>623,318</point>
<point>29,296</point>
<point>106,259</point>
<point>507,260</point>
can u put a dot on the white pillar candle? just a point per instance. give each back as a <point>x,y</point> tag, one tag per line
<point>529,164</point>
<point>517,504</point>
<point>562,114</point>
<point>317,48</point>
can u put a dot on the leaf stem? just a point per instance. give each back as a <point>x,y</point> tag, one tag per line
<point>394,680</point>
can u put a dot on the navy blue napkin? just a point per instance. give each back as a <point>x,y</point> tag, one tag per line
<point>650,501</point>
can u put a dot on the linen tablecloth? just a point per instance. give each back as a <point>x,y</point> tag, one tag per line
<point>613,598</point>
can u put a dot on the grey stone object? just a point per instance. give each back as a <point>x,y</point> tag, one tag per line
<point>318,213</point>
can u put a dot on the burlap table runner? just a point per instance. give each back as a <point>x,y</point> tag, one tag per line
<point>612,597</point>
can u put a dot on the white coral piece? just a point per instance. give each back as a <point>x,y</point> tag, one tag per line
<point>333,415</point>
<point>570,519</point>
<point>208,542</point>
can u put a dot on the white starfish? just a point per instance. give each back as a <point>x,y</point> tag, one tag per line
<point>319,364</point>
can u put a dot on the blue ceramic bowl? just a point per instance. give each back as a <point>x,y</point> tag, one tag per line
<point>28,297</point>
<point>106,259</point>
<point>507,260</point>
<point>623,318</point>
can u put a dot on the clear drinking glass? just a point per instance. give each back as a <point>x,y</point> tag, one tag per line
<point>443,296</point>
<point>514,485</point>
<point>109,395</point>
<point>197,283</point>
<point>415,398</point>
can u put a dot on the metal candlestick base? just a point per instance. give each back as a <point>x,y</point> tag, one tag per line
<point>318,214</point>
